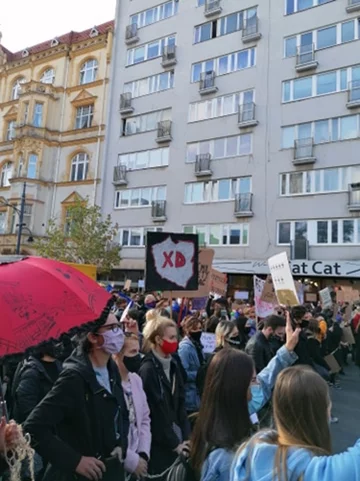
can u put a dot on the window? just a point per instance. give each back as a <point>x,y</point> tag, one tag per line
<point>326,37</point>
<point>321,232</point>
<point>220,235</point>
<point>26,219</point>
<point>150,85</point>
<point>145,122</point>
<point>38,115</point>
<point>302,88</point>
<point>88,71</point>
<point>221,148</point>
<point>226,64</point>
<point>155,14</point>
<point>2,222</point>
<point>149,50</point>
<point>32,166</point>
<point>79,167</point>
<point>16,89</point>
<point>293,6</point>
<point>141,197</point>
<point>326,83</point>
<point>219,106</point>
<point>48,77</point>
<point>145,159</point>
<point>6,174</point>
<point>10,131</point>
<point>216,190</point>
<point>347,31</point>
<point>84,117</point>
<point>290,47</point>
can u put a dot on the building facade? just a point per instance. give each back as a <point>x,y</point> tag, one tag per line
<point>240,123</point>
<point>52,125</point>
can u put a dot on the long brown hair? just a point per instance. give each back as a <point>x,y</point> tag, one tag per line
<point>223,420</point>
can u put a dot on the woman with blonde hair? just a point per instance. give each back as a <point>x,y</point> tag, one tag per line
<point>300,447</point>
<point>164,387</point>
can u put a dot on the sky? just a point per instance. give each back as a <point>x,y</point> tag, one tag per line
<point>24,23</point>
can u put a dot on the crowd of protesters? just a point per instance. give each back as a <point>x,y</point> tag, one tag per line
<point>137,397</point>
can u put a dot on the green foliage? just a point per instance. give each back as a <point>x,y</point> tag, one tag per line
<point>85,239</point>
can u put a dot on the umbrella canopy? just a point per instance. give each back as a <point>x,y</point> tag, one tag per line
<point>40,299</point>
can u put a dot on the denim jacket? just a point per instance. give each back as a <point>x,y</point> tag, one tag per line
<point>191,364</point>
<point>217,464</point>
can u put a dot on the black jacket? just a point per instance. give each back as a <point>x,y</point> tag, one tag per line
<point>167,406</point>
<point>259,348</point>
<point>31,384</point>
<point>83,413</point>
<point>314,350</point>
<point>302,350</point>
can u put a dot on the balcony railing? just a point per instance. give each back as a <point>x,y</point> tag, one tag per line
<point>131,34</point>
<point>353,6</point>
<point>243,205</point>
<point>158,210</point>
<point>250,31</point>
<point>169,56</point>
<point>247,115</point>
<point>304,151</point>
<point>207,83</point>
<point>354,197</point>
<point>126,103</point>
<point>119,175</point>
<point>212,7</point>
<point>354,94</point>
<point>305,58</point>
<point>164,131</point>
<point>299,249</point>
<point>202,165</point>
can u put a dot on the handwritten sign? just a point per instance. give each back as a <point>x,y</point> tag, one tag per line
<point>325,297</point>
<point>268,293</point>
<point>262,309</point>
<point>171,261</point>
<point>127,285</point>
<point>208,341</point>
<point>283,280</point>
<point>218,283</point>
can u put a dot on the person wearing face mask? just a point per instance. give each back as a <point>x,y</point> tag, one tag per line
<point>192,358</point>
<point>138,454</point>
<point>165,391</point>
<point>87,410</point>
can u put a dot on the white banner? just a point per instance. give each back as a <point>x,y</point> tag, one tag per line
<point>283,280</point>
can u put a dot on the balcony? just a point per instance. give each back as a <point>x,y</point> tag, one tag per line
<point>207,83</point>
<point>353,6</point>
<point>243,205</point>
<point>158,210</point>
<point>305,58</point>
<point>353,95</point>
<point>164,132</point>
<point>28,130</point>
<point>119,175</point>
<point>202,165</point>
<point>212,7</point>
<point>304,152</point>
<point>169,56</point>
<point>354,197</point>
<point>126,107</point>
<point>247,116</point>
<point>131,34</point>
<point>250,31</point>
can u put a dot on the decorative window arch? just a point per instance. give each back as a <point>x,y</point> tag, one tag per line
<point>94,32</point>
<point>79,167</point>
<point>88,71</point>
<point>48,76</point>
<point>6,174</point>
<point>16,88</point>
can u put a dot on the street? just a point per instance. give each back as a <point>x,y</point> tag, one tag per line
<point>346,407</point>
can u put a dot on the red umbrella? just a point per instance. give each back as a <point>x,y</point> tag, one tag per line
<point>40,299</point>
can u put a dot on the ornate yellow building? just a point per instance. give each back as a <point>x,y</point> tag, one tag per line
<point>52,125</point>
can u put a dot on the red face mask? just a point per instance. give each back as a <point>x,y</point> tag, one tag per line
<point>169,347</point>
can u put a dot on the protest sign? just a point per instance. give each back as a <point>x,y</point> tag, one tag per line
<point>268,293</point>
<point>332,363</point>
<point>141,283</point>
<point>262,309</point>
<point>218,283</point>
<point>241,295</point>
<point>208,341</point>
<point>311,297</point>
<point>300,290</point>
<point>347,335</point>
<point>127,285</point>
<point>206,257</point>
<point>282,279</point>
<point>325,298</point>
<point>199,303</point>
<point>172,261</point>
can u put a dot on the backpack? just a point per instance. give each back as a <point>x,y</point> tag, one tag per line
<point>181,470</point>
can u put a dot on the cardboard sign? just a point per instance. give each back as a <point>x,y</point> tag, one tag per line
<point>355,295</point>
<point>127,285</point>
<point>332,363</point>
<point>282,279</point>
<point>262,309</point>
<point>218,283</point>
<point>311,297</point>
<point>347,335</point>
<point>325,298</point>
<point>172,262</point>
<point>208,340</point>
<point>268,293</point>
<point>206,257</point>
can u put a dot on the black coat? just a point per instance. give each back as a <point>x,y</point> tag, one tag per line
<point>31,384</point>
<point>167,406</point>
<point>83,413</point>
<point>259,348</point>
<point>302,350</point>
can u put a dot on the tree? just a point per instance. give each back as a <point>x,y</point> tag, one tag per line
<point>85,239</point>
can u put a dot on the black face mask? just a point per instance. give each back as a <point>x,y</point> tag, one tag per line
<point>304,323</point>
<point>133,363</point>
<point>234,342</point>
<point>196,336</point>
